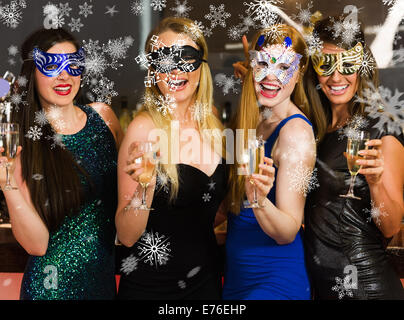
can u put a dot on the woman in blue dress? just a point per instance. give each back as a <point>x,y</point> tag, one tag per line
<point>264,250</point>
<point>62,209</point>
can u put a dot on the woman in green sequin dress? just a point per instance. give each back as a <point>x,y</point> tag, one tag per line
<point>62,213</point>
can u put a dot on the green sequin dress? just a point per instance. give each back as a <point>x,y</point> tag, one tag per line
<point>80,260</point>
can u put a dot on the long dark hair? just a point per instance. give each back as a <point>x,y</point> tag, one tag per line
<point>58,192</point>
<point>324,30</point>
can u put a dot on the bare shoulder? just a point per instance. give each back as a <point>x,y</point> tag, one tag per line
<point>140,126</point>
<point>104,110</point>
<point>297,141</point>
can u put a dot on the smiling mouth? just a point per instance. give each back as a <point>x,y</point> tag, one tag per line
<point>338,89</point>
<point>179,84</point>
<point>269,90</point>
<point>63,90</point>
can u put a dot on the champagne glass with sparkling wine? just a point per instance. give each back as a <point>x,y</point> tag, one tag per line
<point>9,142</point>
<point>148,161</point>
<point>254,156</point>
<point>354,145</point>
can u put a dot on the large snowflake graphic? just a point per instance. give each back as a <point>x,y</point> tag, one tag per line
<point>154,249</point>
<point>302,179</point>
<point>384,106</point>
<point>263,12</point>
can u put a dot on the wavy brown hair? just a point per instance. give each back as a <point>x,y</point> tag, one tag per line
<point>317,99</point>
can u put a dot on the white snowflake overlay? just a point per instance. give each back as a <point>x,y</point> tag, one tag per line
<point>181,9</point>
<point>375,213</point>
<point>227,83</point>
<point>342,287</point>
<point>353,127</point>
<point>384,106</point>
<point>154,249</point>
<point>129,264</point>
<point>100,58</point>
<point>34,133</point>
<point>11,14</point>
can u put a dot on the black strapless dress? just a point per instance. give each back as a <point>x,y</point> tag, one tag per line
<point>341,240</point>
<point>177,257</point>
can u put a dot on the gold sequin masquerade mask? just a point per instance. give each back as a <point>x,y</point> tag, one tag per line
<point>346,62</point>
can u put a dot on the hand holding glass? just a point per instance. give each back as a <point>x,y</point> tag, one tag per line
<point>255,156</point>
<point>148,163</point>
<point>354,145</point>
<point>9,142</point>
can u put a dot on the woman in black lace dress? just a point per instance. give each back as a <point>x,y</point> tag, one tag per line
<point>345,238</point>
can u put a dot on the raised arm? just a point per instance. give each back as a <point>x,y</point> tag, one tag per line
<point>27,226</point>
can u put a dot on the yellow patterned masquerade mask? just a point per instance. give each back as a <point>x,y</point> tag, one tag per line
<point>346,62</point>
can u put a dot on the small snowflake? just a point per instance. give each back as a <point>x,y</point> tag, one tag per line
<point>234,33</point>
<point>137,7</point>
<point>195,31</point>
<point>85,10</point>
<point>37,176</point>
<point>302,179</point>
<point>304,15</point>
<point>64,9</point>
<point>181,9</point>
<point>368,65</point>
<point>34,133</point>
<point>111,10</point>
<point>129,264</point>
<point>375,213</point>
<point>206,197</point>
<point>166,104</point>
<point>314,43</point>
<point>353,127</point>
<point>40,118</point>
<point>57,140</point>
<point>154,249</point>
<point>158,5</point>
<point>227,83</point>
<point>266,113</point>
<point>342,287</point>
<point>12,50</point>
<point>162,181</point>
<point>211,185</point>
<point>275,31</point>
<point>75,24</point>
<point>200,111</point>
<point>217,16</point>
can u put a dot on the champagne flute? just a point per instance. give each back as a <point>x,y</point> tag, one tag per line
<point>354,145</point>
<point>148,162</point>
<point>255,155</point>
<point>9,141</point>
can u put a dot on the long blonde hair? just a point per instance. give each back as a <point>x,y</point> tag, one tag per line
<point>248,113</point>
<point>203,97</point>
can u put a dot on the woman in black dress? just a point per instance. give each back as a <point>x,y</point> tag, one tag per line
<point>345,238</point>
<point>172,252</point>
